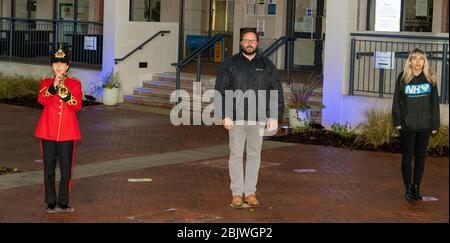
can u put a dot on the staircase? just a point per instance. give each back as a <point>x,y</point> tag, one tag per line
<point>156,93</point>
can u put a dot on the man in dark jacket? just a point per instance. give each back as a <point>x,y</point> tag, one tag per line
<point>252,102</point>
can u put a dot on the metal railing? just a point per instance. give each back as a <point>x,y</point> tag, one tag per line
<point>197,54</point>
<point>34,39</point>
<point>282,41</point>
<point>162,33</point>
<point>378,59</point>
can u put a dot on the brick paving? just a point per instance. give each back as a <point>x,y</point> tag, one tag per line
<point>108,133</point>
<point>348,186</point>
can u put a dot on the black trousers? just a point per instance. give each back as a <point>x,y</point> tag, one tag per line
<point>414,144</point>
<point>63,152</point>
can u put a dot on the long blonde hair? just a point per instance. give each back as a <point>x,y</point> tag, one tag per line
<point>408,72</point>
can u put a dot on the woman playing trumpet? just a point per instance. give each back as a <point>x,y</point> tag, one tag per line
<point>58,130</point>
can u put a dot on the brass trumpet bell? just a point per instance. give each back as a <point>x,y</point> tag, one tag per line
<point>62,90</point>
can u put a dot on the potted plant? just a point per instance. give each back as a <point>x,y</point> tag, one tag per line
<point>110,87</point>
<point>299,106</point>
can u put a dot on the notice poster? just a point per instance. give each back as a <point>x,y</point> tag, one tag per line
<point>90,43</point>
<point>261,9</point>
<point>251,11</point>
<point>387,15</point>
<point>261,27</point>
<point>421,8</point>
<point>385,60</point>
<point>272,8</point>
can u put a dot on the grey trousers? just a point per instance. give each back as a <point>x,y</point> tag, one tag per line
<point>243,136</point>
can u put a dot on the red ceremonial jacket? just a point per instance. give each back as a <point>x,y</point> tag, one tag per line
<point>58,120</point>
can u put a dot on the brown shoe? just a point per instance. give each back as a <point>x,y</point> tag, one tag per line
<point>237,202</point>
<point>252,201</point>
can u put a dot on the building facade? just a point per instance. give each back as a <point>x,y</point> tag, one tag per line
<point>337,38</point>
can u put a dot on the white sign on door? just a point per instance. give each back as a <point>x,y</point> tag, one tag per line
<point>387,15</point>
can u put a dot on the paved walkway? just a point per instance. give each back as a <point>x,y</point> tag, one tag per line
<point>189,176</point>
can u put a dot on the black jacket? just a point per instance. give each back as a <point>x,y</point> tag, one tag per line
<point>416,105</point>
<point>240,74</point>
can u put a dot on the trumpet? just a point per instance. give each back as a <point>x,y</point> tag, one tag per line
<point>62,90</point>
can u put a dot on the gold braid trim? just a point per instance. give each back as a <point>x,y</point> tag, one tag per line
<point>72,101</point>
<point>47,94</point>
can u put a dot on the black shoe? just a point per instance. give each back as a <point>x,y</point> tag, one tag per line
<point>66,208</point>
<point>409,194</point>
<point>416,193</point>
<point>51,208</point>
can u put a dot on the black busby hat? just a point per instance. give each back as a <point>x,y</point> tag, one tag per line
<point>59,56</point>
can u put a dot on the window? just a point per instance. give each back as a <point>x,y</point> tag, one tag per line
<point>66,10</point>
<point>418,15</point>
<point>2,9</point>
<point>90,10</point>
<point>25,9</point>
<point>145,10</point>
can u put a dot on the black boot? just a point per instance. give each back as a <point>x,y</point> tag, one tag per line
<point>409,195</point>
<point>416,192</point>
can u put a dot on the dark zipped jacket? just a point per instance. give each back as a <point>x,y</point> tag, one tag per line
<point>239,73</point>
<point>416,105</point>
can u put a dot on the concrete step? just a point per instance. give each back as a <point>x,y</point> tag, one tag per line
<point>161,93</point>
<point>148,101</point>
<point>166,85</point>
<point>153,101</point>
<point>207,80</point>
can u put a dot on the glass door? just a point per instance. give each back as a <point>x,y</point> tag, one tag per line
<point>204,19</point>
<point>223,23</point>
<point>309,29</point>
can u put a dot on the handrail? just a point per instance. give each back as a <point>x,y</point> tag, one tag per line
<point>398,36</point>
<point>277,44</point>
<point>51,20</point>
<point>162,33</point>
<point>282,41</point>
<point>196,54</point>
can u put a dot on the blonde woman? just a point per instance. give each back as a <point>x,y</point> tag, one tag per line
<point>416,115</point>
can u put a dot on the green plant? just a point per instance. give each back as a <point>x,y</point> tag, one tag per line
<point>301,92</point>
<point>304,128</point>
<point>17,86</point>
<point>440,139</point>
<point>4,170</point>
<point>110,80</point>
<point>377,130</point>
<point>344,131</point>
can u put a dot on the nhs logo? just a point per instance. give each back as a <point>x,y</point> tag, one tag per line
<point>417,89</point>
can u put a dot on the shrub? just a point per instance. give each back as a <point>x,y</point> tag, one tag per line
<point>377,130</point>
<point>344,131</point>
<point>18,86</point>
<point>304,128</point>
<point>440,139</point>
